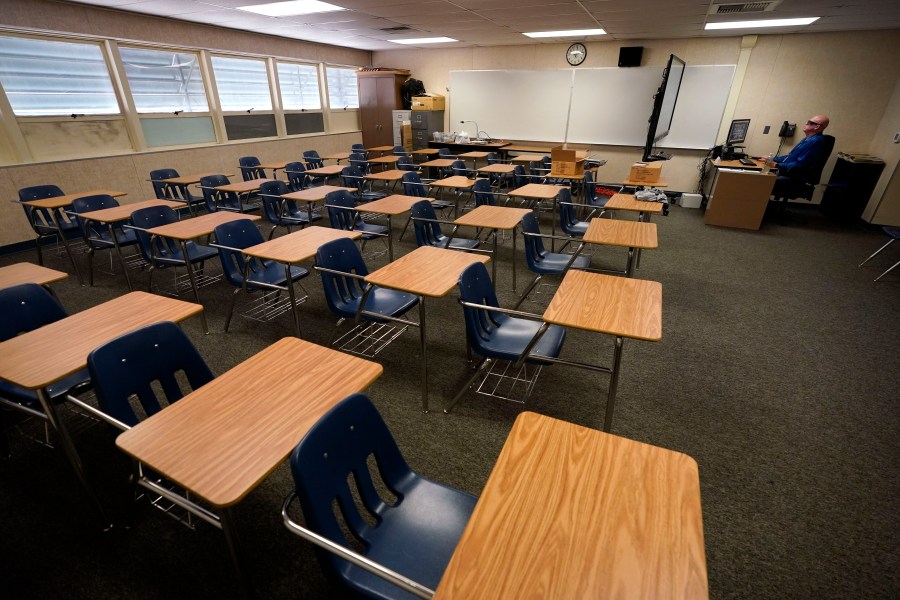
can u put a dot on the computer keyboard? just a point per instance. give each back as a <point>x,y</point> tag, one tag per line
<point>748,162</point>
<point>660,156</point>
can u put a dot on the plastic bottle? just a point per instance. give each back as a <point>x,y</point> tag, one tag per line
<point>767,165</point>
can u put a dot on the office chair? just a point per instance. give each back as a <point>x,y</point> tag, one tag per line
<point>409,535</point>
<point>281,212</point>
<point>254,274</point>
<point>542,262</point>
<point>794,188</point>
<point>502,337</point>
<point>41,219</point>
<point>343,271</point>
<point>893,233</point>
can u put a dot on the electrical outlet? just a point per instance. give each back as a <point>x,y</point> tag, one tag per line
<point>766,129</point>
<point>897,138</point>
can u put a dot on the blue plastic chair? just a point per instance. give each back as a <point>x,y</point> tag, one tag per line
<point>591,197</point>
<point>459,168</point>
<point>494,334</point>
<point>343,271</point>
<point>343,215</point>
<point>360,161</point>
<point>262,275</point>
<point>428,229</point>
<point>176,193</point>
<point>413,186</point>
<point>568,220</point>
<point>413,535</point>
<point>353,177</point>
<point>281,212</point>
<point>541,261</point>
<point>359,149</point>
<point>97,236</point>
<point>399,151</point>
<point>216,200</point>
<point>41,219</point>
<point>405,163</point>
<point>249,166</point>
<point>314,161</point>
<point>163,252</point>
<point>297,178</point>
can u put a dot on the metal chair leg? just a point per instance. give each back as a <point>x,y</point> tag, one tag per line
<point>478,369</point>
<point>889,242</point>
<point>889,270</point>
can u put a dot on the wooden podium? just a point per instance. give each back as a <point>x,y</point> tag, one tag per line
<point>739,198</point>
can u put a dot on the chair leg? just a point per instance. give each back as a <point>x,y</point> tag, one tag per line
<point>231,308</point>
<point>478,369</point>
<point>405,227</point>
<point>40,251</point>
<point>91,266</point>
<point>889,242</point>
<point>527,291</point>
<point>888,271</point>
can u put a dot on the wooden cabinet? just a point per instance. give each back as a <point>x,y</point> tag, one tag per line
<point>379,94</point>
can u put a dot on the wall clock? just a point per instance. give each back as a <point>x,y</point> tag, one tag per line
<point>576,54</point>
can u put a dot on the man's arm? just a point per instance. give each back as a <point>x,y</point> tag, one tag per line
<point>803,157</point>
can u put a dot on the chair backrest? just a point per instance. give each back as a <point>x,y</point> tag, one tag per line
<point>249,170</point>
<point>445,153</point>
<point>567,216</point>
<point>39,217</point>
<point>333,452</point>
<point>162,191</point>
<point>272,204</point>
<point>413,186</point>
<point>130,364</point>
<point>492,158</point>
<point>475,286</point>
<point>459,168</point>
<point>353,177</point>
<point>312,159</point>
<point>338,203</point>
<point>342,294</point>
<point>88,204</point>
<point>235,236</point>
<point>482,191</point>
<point>519,176</point>
<point>399,151</point>
<point>534,246</point>
<point>148,218</point>
<point>297,177</point>
<point>427,233</point>
<point>212,198</point>
<point>26,307</point>
<point>405,163</point>
<point>359,148</point>
<point>359,161</point>
<point>815,172</point>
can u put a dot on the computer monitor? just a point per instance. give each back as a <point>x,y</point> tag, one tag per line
<point>737,133</point>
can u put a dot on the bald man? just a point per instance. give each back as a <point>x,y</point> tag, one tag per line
<point>801,165</point>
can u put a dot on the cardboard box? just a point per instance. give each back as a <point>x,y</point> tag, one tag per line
<point>645,172</point>
<point>406,136</point>
<point>428,102</point>
<point>566,162</point>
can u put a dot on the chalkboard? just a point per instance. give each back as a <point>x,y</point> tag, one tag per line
<point>605,106</point>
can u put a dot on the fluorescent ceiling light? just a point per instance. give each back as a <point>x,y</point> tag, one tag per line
<point>431,40</point>
<point>765,23</point>
<point>566,33</point>
<point>291,8</point>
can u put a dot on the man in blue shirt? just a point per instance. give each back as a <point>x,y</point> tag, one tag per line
<point>801,165</point>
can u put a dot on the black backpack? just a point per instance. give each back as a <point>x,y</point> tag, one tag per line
<point>411,87</point>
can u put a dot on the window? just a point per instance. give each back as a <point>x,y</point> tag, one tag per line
<point>342,90</point>
<point>164,81</point>
<point>299,86</point>
<point>43,77</point>
<point>242,83</point>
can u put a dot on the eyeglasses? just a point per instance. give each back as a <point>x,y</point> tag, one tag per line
<point>813,123</point>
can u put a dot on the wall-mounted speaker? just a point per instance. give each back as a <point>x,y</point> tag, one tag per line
<point>630,56</point>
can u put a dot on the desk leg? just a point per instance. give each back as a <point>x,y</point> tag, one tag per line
<point>514,257</point>
<point>72,455</point>
<point>613,384</point>
<point>390,239</point>
<point>424,354</point>
<point>292,296</point>
<point>494,258</point>
<point>115,241</point>
<point>65,242</point>
<point>233,542</point>
<point>552,223</point>
<point>193,279</point>
<point>629,264</point>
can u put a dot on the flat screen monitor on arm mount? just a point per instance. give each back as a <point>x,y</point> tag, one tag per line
<point>664,108</point>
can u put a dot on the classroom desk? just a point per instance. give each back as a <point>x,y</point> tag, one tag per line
<point>498,169</point>
<point>221,440</point>
<point>275,166</point>
<point>527,158</point>
<point>627,202</point>
<point>39,358</point>
<point>243,189</point>
<point>55,204</point>
<point>739,198</point>
<point>570,512</point>
<point>312,195</point>
<point>26,272</point>
<point>737,164</point>
<point>117,214</point>
<point>425,152</point>
<point>539,192</point>
<point>294,248</point>
<point>426,271</point>
<point>458,184</point>
<point>183,181</point>
<point>389,177</point>
<point>634,235</point>
<point>384,161</point>
<point>495,218</point>
<point>328,171</point>
<point>391,205</point>
<point>618,306</point>
<point>380,149</point>
<point>474,156</point>
<point>437,163</point>
<point>190,229</point>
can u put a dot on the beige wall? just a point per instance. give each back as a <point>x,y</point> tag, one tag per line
<point>850,76</point>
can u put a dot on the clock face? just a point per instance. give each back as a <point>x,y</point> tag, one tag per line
<point>576,54</point>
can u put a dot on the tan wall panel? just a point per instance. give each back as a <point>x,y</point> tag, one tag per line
<point>71,139</point>
<point>344,120</point>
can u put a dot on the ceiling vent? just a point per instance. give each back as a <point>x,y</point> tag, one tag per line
<point>742,7</point>
<point>396,29</point>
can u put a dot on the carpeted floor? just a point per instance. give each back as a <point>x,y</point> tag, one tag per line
<point>778,372</point>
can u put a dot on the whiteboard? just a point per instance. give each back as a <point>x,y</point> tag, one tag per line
<point>608,106</point>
